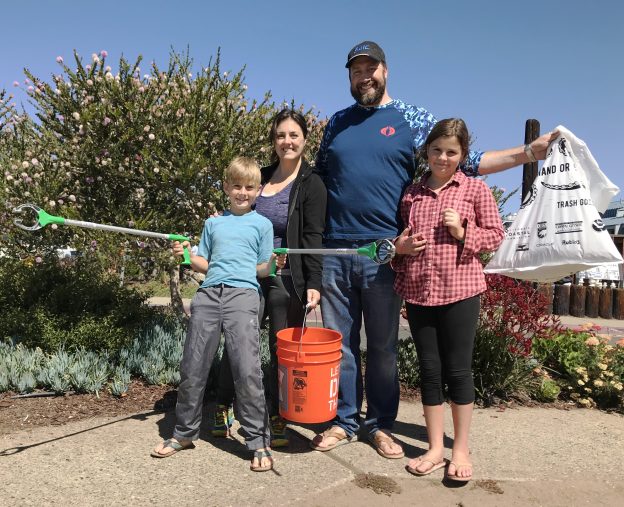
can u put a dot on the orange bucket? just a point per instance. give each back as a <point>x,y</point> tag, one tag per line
<point>308,360</point>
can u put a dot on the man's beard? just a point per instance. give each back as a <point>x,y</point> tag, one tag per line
<point>372,97</point>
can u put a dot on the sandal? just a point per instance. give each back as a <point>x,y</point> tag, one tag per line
<point>385,437</point>
<point>175,446</point>
<point>334,432</point>
<point>433,468</point>
<point>264,453</point>
<point>455,477</point>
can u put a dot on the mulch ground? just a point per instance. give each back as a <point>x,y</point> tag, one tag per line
<point>22,413</point>
<point>17,413</point>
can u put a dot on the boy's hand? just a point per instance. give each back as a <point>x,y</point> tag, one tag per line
<point>410,244</point>
<point>178,248</point>
<point>452,220</point>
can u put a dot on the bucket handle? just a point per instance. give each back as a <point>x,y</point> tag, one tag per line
<point>303,326</point>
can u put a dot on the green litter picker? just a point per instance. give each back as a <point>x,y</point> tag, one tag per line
<point>381,251</point>
<point>43,219</point>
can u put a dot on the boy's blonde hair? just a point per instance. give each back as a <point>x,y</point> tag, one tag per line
<point>242,171</point>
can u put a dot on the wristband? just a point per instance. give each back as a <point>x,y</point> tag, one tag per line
<point>529,152</point>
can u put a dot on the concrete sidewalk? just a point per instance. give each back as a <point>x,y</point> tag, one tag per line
<point>525,456</point>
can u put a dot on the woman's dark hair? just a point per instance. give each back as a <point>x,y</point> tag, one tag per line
<point>286,114</point>
<point>448,128</point>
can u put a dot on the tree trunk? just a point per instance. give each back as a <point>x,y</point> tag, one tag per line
<point>592,298</point>
<point>577,300</point>
<point>561,303</point>
<point>547,290</point>
<point>174,290</point>
<point>605,305</point>
<point>618,304</point>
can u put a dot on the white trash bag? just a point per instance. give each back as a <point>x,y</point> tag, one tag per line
<point>558,230</point>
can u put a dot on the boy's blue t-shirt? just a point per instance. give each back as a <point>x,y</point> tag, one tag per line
<point>233,245</point>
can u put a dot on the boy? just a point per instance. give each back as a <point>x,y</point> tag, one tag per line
<point>234,248</point>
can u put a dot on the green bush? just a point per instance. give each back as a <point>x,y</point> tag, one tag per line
<point>499,371</point>
<point>407,360</point>
<point>590,370</point>
<point>45,303</point>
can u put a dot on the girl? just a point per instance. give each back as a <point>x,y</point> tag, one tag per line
<point>450,219</point>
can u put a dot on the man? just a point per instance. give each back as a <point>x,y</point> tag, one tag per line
<point>367,158</point>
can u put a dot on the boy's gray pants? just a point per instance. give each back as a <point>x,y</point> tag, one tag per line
<point>235,312</point>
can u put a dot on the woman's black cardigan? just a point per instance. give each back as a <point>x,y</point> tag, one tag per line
<point>307,204</point>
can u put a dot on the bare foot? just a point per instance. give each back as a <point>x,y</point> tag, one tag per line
<point>330,438</point>
<point>262,460</point>
<point>460,467</point>
<point>386,445</point>
<point>170,447</point>
<point>425,463</point>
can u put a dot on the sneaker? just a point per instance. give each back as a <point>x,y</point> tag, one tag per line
<point>278,432</point>
<point>223,420</point>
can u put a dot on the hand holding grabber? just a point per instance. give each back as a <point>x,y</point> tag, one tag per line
<point>43,219</point>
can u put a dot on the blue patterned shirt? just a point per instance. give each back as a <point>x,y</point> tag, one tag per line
<point>367,159</point>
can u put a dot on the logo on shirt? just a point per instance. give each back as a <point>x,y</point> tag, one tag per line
<point>387,131</point>
<point>563,149</point>
<point>541,229</point>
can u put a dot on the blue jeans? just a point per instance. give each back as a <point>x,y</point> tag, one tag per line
<point>355,287</point>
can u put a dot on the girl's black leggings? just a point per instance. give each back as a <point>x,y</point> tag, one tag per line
<point>444,338</point>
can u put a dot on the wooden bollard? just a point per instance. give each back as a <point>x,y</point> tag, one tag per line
<point>592,298</point>
<point>577,300</point>
<point>561,301</point>
<point>605,304</point>
<point>618,304</point>
<point>547,290</point>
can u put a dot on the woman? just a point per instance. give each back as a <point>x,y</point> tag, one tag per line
<point>294,199</point>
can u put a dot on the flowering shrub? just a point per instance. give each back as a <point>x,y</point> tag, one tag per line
<point>517,311</point>
<point>123,146</point>
<point>512,314</point>
<point>590,369</point>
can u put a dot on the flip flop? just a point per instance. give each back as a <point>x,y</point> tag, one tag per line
<point>175,446</point>
<point>380,437</point>
<point>334,432</point>
<point>265,453</point>
<point>455,477</point>
<point>434,467</point>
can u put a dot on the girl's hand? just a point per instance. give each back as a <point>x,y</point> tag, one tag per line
<point>452,220</point>
<point>407,244</point>
<point>314,298</point>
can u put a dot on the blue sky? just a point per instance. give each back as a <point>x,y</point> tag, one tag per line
<point>493,63</point>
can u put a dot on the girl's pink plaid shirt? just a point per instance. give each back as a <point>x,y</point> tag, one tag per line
<point>447,270</point>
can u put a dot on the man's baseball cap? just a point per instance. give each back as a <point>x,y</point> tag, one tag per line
<point>366,48</point>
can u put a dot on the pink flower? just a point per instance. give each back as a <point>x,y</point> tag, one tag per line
<point>620,342</point>
<point>15,83</point>
<point>106,121</point>
<point>103,53</point>
<point>38,260</point>
<point>59,59</point>
<point>30,88</point>
<point>592,341</point>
